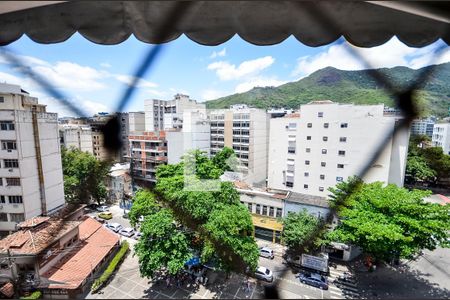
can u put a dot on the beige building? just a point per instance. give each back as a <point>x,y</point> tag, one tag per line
<point>76,136</point>
<point>31,180</point>
<point>246,131</point>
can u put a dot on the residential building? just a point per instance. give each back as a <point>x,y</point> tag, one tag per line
<point>423,126</point>
<point>148,151</point>
<point>327,142</point>
<point>279,112</point>
<point>76,136</point>
<point>31,180</point>
<point>55,255</point>
<point>168,114</point>
<point>245,130</point>
<point>194,135</point>
<point>441,136</point>
<point>129,122</point>
<point>119,183</point>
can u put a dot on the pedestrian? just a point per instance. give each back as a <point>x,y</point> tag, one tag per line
<point>167,281</point>
<point>248,286</point>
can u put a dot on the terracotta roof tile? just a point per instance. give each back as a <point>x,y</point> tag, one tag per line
<point>7,289</point>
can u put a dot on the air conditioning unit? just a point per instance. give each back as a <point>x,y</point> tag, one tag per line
<point>1,206</point>
<point>10,170</point>
<point>9,150</point>
<point>15,205</point>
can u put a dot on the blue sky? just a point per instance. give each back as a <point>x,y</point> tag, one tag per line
<point>94,76</point>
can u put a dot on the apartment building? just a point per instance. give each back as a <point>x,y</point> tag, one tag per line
<point>245,130</point>
<point>423,126</point>
<point>76,136</point>
<point>31,180</point>
<point>129,122</point>
<point>441,136</point>
<point>326,142</point>
<point>168,114</point>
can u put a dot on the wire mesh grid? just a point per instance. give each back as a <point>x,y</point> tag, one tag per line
<point>404,100</point>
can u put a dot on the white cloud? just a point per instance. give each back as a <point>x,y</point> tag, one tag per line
<point>257,82</point>
<point>105,65</point>
<point>221,53</point>
<point>210,94</point>
<point>391,54</point>
<point>157,93</point>
<point>226,71</point>
<point>141,83</point>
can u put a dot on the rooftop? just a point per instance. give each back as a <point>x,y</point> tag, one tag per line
<point>97,241</point>
<point>308,199</point>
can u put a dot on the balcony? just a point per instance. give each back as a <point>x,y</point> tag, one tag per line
<point>10,190</point>
<point>9,154</point>
<point>9,172</point>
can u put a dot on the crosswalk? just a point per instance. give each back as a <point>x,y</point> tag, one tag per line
<point>342,289</point>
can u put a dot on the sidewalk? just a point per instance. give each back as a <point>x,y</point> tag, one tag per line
<point>278,250</point>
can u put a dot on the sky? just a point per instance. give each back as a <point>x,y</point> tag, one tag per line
<point>93,76</point>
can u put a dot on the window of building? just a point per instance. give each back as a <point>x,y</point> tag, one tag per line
<point>326,125</point>
<point>2,199</point>
<point>342,139</point>
<point>279,212</point>
<point>305,186</point>
<point>308,138</point>
<point>322,176</point>
<point>324,151</point>
<point>6,125</point>
<point>12,181</point>
<point>339,179</point>
<point>258,209</point>
<point>16,218</point>
<point>292,126</point>
<point>321,189</point>
<point>272,211</point>
<point>320,114</point>
<point>341,153</point>
<point>11,163</point>
<point>2,99</point>
<point>291,147</point>
<point>289,184</point>
<point>307,162</point>
<point>264,211</point>
<point>325,138</point>
<point>9,145</point>
<point>323,164</point>
<point>306,174</point>
<point>308,150</point>
<point>309,125</point>
<point>340,166</point>
<point>344,125</point>
<point>15,199</point>
<point>3,217</point>
<point>250,207</point>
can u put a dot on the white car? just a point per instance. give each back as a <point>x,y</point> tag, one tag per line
<point>103,208</point>
<point>114,226</point>
<point>141,219</point>
<point>266,252</point>
<point>128,231</point>
<point>264,274</point>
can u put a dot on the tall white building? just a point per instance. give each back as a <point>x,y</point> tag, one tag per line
<point>31,180</point>
<point>441,136</point>
<point>167,114</point>
<point>423,127</point>
<point>77,136</point>
<point>194,135</point>
<point>246,131</point>
<point>328,142</point>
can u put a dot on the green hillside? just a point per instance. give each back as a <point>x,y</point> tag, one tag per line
<point>357,87</point>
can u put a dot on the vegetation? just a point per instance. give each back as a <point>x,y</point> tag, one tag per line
<point>194,214</point>
<point>120,255</point>
<point>84,176</point>
<point>357,87</point>
<point>33,295</point>
<point>389,222</point>
<point>426,164</point>
<point>298,228</point>
<point>144,204</point>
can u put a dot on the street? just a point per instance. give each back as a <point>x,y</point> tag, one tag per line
<point>127,282</point>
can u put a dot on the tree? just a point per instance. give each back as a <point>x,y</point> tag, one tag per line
<point>390,221</point>
<point>418,170</point>
<point>84,176</point>
<point>162,245</point>
<point>298,228</point>
<point>144,204</point>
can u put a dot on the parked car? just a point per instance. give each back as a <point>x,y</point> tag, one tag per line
<point>313,279</point>
<point>105,215</point>
<point>114,226</point>
<point>264,274</point>
<point>137,235</point>
<point>102,208</point>
<point>98,219</point>
<point>141,219</point>
<point>128,231</point>
<point>93,206</point>
<point>266,252</point>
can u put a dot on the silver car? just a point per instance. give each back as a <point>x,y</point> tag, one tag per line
<point>266,252</point>
<point>127,231</point>
<point>264,274</point>
<point>114,226</point>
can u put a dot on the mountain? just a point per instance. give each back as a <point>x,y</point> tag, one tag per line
<point>357,87</point>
